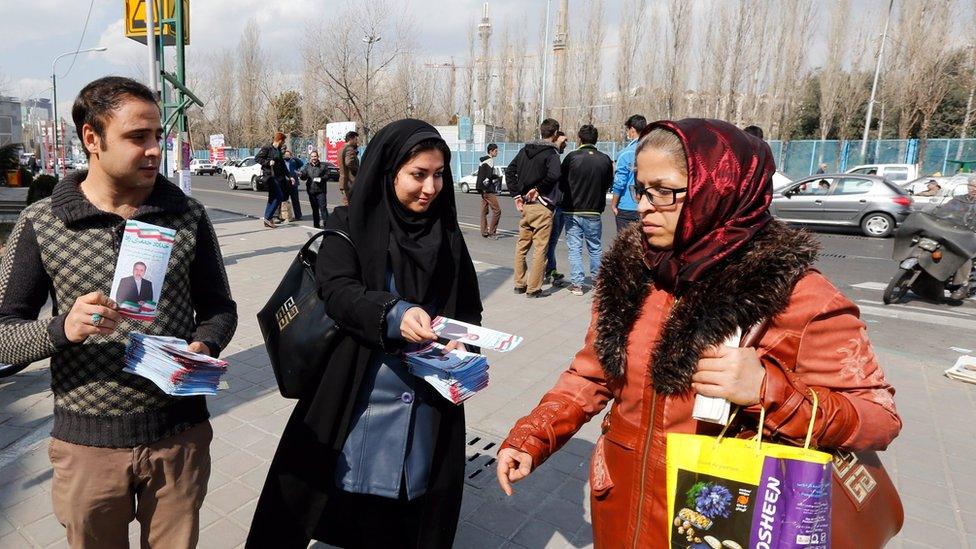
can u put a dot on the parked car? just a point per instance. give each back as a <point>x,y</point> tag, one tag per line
<point>467,183</point>
<point>896,173</point>
<point>780,181</point>
<point>227,164</point>
<point>246,173</point>
<point>200,167</point>
<point>874,204</point>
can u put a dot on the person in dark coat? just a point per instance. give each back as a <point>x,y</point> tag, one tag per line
<point>344,473</point>
<point>273,173</point>
<point>315,174</point>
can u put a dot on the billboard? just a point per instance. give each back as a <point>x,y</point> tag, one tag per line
<point>335,139</point>
<point>217,147</point>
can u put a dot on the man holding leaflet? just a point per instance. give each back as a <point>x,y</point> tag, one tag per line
<point>116,435</point>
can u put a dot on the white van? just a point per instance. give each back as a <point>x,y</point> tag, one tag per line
<point>896,173</point>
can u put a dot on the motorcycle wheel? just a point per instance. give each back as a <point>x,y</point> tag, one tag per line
<point>897,287</point>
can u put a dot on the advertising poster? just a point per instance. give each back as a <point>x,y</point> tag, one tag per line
<point>335,139</point>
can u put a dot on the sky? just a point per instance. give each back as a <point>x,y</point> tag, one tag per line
<point>36,31</point>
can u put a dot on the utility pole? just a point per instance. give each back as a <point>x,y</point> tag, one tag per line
<point>484,35</point>
<point>545,67</point>
<point>54,86</point>
<point>151,42</point>
<point>559,53</point>
<point>874,85</point>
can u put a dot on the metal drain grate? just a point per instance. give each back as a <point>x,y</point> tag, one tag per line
<point>479,466</point>
<point>833,256</point>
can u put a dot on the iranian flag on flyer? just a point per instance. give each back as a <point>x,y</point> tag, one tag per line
<point>141,269</point>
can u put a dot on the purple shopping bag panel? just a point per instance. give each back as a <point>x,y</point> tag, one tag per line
<point>792,506</point>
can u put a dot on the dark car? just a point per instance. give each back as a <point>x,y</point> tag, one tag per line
<point>874,204</point>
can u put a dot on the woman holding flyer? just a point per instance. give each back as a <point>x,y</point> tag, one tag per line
<point>373,456</point>
<point>705,261</point>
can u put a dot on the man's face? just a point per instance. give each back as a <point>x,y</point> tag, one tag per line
<point>561,143</point>
<point>128,150</point>
<point>139,271</point>
<point>493,153</point>
<point>354,141</point>
<point>314,158</point>
<point>631,133</point>
<point>287,155</point>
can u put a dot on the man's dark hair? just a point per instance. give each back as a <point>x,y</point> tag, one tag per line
<point>636,121</point>
<point>351,134</point>
<point>588,134</point>
<point>97,100</point>
<point>548,128</point>
<point>137,263</point>
<point>754,131</point>
<point>491,147</point>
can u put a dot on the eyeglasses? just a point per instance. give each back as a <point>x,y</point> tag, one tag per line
<point>658,196</point>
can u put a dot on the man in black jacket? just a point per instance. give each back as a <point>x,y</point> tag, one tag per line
<point>587,175</point>
<point>273,172</point>
<point>488,183</point>
<point>533,177</point>
<point>315,174</point>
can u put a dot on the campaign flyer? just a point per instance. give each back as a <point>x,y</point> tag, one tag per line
<point>485,338</point>
<point>141,269</point>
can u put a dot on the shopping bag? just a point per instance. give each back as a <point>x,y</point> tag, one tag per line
<point>734,493</point>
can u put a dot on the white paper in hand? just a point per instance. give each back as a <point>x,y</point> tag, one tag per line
<point>715,409</point>
<point>470,334</point>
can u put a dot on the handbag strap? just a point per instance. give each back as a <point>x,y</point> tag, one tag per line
<point>303,253</point>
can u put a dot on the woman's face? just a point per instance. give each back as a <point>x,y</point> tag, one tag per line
<point>656,168</point>
<point>420,180</point>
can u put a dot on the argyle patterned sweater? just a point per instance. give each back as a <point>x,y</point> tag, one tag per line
<point>63,247</point>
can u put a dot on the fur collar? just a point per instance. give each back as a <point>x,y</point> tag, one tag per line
<point>752,286</point>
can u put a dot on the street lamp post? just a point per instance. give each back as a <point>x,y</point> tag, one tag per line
<point>369,39</point>
<point>874,86</point>
<point>54,86</point>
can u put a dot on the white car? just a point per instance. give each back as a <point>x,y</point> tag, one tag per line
<point>246,173</point>
<point>200,167</point>
<point>780,181</point>
<point>467,183</point>
<point>955,185</point>
<point>896,173</point>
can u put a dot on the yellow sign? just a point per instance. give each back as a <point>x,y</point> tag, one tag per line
<point>135,20</point>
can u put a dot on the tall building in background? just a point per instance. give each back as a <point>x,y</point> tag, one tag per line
<point>483,66</point>
<point>11,121</point>
<point>559,46</point>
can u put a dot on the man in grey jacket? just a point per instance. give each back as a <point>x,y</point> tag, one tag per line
<point>315,174</point>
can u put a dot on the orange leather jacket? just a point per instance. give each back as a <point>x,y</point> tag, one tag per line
<point>818,339</point>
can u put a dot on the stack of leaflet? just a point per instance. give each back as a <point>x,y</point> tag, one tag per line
<point>168,363</point>
<point>456,375</point>
<point>963,370</point>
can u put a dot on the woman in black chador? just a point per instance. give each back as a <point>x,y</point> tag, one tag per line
<point>372,456</point>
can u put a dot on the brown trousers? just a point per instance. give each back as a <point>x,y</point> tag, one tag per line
<point>489,201</point>
<point>98,491</point>
<point>534,229</point>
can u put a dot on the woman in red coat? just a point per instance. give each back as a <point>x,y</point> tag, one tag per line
<point>706,262</point>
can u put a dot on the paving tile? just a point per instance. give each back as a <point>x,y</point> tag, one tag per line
<point>45,531</point>
<point>30,510</point>
<point>470,536</point>
<point>230,497</point>
<point>922,532</point>
<point>222,534</point>
<point>538,534</point>
<point>237,463</point>
<point>14,540</point>
<point>498,519</point>
<point>565,515</point>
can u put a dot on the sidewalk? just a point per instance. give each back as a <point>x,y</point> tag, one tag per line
<point>931,461</point>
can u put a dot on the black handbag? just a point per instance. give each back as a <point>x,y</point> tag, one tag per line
<point>297,332</point>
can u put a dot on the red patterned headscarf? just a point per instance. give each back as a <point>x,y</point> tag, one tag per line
<point>729,191</point>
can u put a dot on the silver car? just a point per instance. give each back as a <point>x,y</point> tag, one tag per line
<point>870,202</point>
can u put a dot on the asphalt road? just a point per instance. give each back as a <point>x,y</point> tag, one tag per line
<point>859,266</point>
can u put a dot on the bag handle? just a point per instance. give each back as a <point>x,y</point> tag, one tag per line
<point>303,253</point>
<point>762,422</point>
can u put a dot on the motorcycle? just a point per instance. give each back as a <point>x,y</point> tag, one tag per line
<point>929,248</point>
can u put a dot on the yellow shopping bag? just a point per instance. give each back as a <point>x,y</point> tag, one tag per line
<point>733,493</point>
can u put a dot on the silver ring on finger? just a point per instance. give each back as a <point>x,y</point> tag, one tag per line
<point>96,319</point>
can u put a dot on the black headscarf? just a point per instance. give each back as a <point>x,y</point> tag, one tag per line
<point>426,250</point>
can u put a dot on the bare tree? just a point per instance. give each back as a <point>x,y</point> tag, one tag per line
<point>832,76</point>
<point>678,38</point>
<point>856,82</point>
<point>354,58</point>
<point>251,67</point>
<point>632,14</point>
